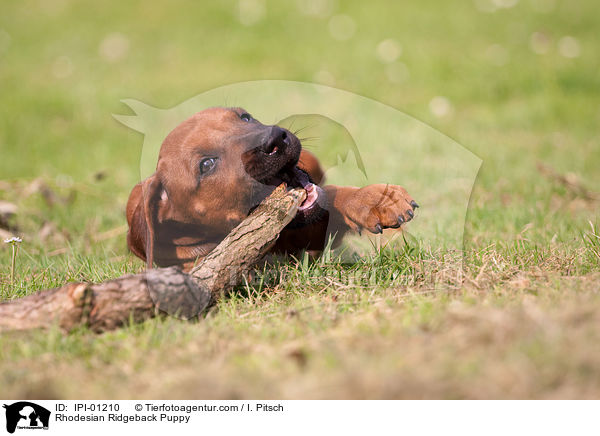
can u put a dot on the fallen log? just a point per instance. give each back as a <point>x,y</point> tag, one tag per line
<point>135,298</point>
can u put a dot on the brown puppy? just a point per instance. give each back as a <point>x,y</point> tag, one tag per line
<point>216,166</point>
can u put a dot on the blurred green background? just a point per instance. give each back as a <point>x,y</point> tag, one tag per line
<point>517,82</point>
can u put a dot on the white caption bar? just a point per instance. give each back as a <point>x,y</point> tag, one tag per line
<point>300,417</point>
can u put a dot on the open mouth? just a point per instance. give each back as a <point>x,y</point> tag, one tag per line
<point>296,178</point>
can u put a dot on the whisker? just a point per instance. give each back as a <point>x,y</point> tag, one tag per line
<point>309,138</point>
<point>292,124</point>
<point>304,128</point>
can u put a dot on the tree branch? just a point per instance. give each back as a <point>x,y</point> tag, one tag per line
<point>109,305</point>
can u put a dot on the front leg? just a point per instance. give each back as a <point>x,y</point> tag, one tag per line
<point>374,207</point>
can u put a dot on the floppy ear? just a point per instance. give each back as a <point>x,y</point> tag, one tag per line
<point>142,216</point>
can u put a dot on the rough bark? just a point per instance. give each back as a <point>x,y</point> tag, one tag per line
<point>109,305</point>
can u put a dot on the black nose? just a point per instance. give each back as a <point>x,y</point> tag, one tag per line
<point>277,141</point>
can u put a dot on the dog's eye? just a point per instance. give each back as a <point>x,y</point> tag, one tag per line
<point>246,117</point>
<point>207,164</point>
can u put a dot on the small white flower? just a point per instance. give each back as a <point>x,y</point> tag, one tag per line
<point>251,11</point>
<point>569,47</point>
<point>13,240</point>
<point>440,106</point>
<point>113,48</point>
<point>388,50</point>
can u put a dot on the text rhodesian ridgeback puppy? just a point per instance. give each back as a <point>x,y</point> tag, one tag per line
<point>216,166</point>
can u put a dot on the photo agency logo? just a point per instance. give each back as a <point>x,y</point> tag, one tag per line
<point>24,415</point>
<point>365,168</point>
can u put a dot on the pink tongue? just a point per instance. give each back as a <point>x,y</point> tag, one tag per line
<point>311,196</point>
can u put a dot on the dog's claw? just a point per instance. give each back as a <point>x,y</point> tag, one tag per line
<point>410,213</point>
<point>414,204</point>
<point>378,228</point>
<point>400,219</point>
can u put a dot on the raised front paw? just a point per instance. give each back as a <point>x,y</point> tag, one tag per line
<point>377,207</point>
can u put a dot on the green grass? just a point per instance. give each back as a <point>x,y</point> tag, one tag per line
<point>513,313</point>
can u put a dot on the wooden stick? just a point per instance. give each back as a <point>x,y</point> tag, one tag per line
<point>109,305</point>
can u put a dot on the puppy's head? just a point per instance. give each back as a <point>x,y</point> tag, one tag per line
<point>212,170</point>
